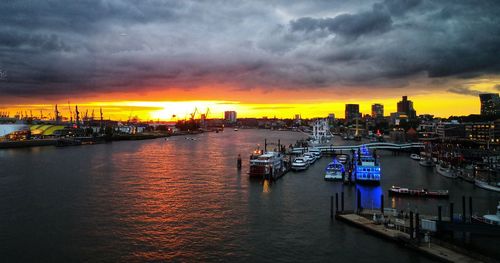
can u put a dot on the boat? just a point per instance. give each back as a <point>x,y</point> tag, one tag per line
<point>235,129</point>
<point>343,159</point>
<point>426,162</point>
<point>415,156</point>
<point>445,170</point>
<point>310,157</point>
<point>316,152</point>
<point>396,190</point>
<point>487,186</point>
<point>63,142</point>
<point>466,174</point>
<point>266,164</point>
<point>367,167</point>
<point>489,219</point>
<point>321,134</point>
<point>300,164</point>
<point>334,171</point>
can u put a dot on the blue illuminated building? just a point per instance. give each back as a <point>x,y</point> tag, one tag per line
<point>366,167</point>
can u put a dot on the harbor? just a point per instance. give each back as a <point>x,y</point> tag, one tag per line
<point>214,197</point>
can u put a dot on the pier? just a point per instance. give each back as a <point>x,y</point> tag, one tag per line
<point>419,232</point>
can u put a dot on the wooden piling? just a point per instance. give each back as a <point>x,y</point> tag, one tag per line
<point>382,204</point>
<point>342,201</point>
<point>336,202</point>
<point>463,208</point>
<point>331,207</point>
<point>470,208</point>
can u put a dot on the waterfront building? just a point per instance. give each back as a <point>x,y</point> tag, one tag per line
<point>406,106</point>
<point>483,132</point>
<point>377,111</point>
<point>450,130</point>
<point>351,112</point>
<point>331,118</point>
<point>490,104</point>
<point>398,117</point>
<point>230,116</point>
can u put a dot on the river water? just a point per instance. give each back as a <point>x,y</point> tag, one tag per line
<point>183,199</point>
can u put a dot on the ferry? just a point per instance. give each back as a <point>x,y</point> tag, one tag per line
<point>300,164</point>
<point>334,171</point>
<point>310,157</point>
<point>396,190</point>
<point>266,164</point>
<point>316,152</point>
<point>489,219</point>
<point>367,167</point>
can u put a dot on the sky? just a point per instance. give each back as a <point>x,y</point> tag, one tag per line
<point>156,59</point>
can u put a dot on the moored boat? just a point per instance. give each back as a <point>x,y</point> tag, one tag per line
<point>489,219</point>
<point>445,170</point>
<point>300,164</point>
<point>401,191</point>
<point>367,167</point>
<point>334,171</point>
<point>266,164</point>
<point>415,156</point>
<point>486,185</point>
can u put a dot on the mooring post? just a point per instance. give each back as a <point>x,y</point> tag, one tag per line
<point>359,201</point>
<point>239,162</point>
<point>470,208</point>
<point>417,227</point>
<point>411,224</point>
<point>265,145</point>
<point>451,212</point>
<point>463,208</point>
<point>336,202</point>
<point>342,201</point>
<point>331,206</point>
<point>439,214</point>
<point>382,204</point>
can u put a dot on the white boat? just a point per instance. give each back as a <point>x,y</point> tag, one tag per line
<point>342,158</point>
<point>415,156</point>
<point>334,171</point>
<point>266,165</point>
<point>445,170</point>
<point>310,157</point>
<point>489,219</point>
<point>316,152</point>
<point>486,185</point>
<point>321,134</point>
<point>235,129</point>
<point>426,162</point>
<point>300,164</point>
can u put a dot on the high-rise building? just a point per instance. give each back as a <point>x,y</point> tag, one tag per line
<point>230,116</point>
<point>331,118</point>
<point>351,112</point>
<point>406,106</point>
<point>490,104</point>
<point>377,111</point>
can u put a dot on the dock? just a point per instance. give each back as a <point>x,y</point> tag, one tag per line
<point>432,250</point>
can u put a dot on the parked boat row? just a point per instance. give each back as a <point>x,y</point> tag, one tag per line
<point>302,162</point>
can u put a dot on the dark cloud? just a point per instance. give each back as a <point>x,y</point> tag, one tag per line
<point>465,91</point>
<point>68,48</point>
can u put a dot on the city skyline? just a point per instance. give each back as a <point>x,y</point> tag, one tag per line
<point>158,59</point>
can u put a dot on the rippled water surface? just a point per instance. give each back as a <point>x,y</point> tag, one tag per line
<point>184,200</point>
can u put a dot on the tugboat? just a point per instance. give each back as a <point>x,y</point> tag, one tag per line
<point>396,190</point>
<point>367,167</point>
<point>489,219</point>
<point>334,171</point>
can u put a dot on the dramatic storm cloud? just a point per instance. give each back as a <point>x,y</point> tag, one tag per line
<point>66,48</point>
